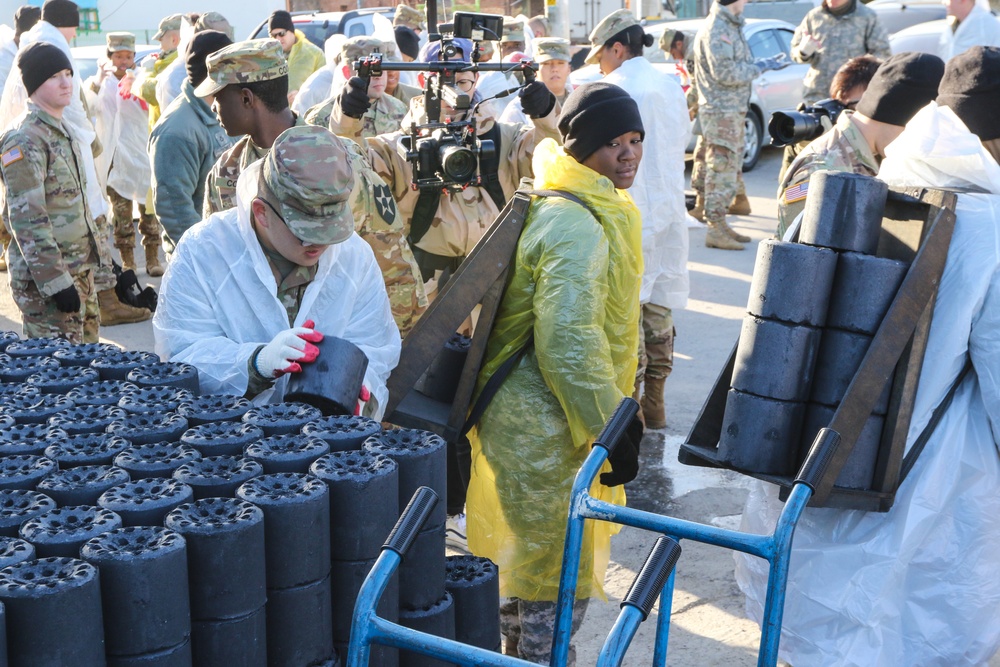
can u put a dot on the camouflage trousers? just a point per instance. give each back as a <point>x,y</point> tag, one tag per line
<point>723,136</point>
<point>42,319</point>
<point>656,347</point>
<point>698,171</point>
<point>104,275</point>
<point>527,628</point>
<point>149,226</point>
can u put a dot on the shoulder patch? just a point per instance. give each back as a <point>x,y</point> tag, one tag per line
<point>797,192</point>
<point>11,156</point>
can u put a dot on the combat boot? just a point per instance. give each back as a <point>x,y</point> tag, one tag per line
<point>637,398</point>
<point>153,266</point>
<point>740,206</point>
<point>698,212</point>
<point>718,238</point>
<point>115,312</point>
<point>652,403</point>
<point>128,258</point>
<point>733,234</point>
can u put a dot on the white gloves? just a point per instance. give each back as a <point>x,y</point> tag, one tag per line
<point>289,348</point>
<point>809,45</point>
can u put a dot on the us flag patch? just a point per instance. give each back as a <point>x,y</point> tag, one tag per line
<point>11,156</point>
<point>797,192</point>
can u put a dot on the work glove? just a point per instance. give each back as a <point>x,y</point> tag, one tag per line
<point>67,300</point>
<point>624,459</point>
<point>537,100</point>
<point>354,97</point>
<point>363,397</point>
<point>773,63</point>
<point>288,350</point>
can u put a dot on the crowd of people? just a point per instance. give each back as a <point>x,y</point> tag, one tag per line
<point>273,191</point>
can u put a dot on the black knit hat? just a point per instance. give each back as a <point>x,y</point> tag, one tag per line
<point>61,13</point>
<point>280,20</point>
<point>594,114</point>
<point>38,61</point>
<point>26,17</point>
<point>201,46</point>
<point>407,41</point>
<point>903,85</point>
<point>971,88</point>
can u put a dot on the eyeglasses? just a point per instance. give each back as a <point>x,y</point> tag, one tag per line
<point>278,34</point>
<point>285,223</point>
<point>466,85</point>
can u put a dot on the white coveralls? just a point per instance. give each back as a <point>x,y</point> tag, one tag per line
<point>980,28</point>
<point>218,303</point>
<point>319,86</point>
<point>917,585</point>
<point>123,128</point>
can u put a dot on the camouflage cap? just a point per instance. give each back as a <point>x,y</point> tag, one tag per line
<point>513,31</point>
<point>214,21</point>
<point>551,48</point>
<point>610,25</point>
<point>121,41</point>
<point>359,47</point>
<point>408,16</point>
<point>309,173</point>
<point>243,62</point>
<point>168,23</point>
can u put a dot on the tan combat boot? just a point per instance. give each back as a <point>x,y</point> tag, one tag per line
<point>740,205</point>
<point>128,258</point>
<point>733,234</point>
<point>698,212</point>
<point>115,312</point>
<point>652,403</point>
<point>718,238</point>
<point>153,266</point>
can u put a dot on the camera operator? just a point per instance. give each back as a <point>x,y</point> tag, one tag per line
<point>445,226</point>
<point>902,86</point>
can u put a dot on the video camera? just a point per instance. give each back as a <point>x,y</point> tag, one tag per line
<point>447,154</point>
<point>804,124</point>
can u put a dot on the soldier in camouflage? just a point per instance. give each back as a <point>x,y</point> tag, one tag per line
<point>408,17</point>
<point>384,114</point>
<point>55,251</point>
<point>832,34</point>
<point>902,86</point>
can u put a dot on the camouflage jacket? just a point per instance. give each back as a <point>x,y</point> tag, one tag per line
<point>44,185</point>
<point>841,149</point>
<point>723,65</point>
<point>842,37</point>
<point>382,117</point>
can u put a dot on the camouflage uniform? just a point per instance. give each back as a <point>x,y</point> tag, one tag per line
<point>409,17</point>
<point>841,149</point>
<point>527,625</point>
<point>852,34</point>
<point>724,70</point>
<point>385,115</point>
<point>122,212</point>
<point>55,237</point>
<point>698,171</point>
<point>656,346</point>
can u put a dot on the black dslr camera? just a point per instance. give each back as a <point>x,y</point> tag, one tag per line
<point>447,154</point>
<point>804,124</point>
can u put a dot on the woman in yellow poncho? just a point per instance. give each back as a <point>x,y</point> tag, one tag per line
<point>574,293</point>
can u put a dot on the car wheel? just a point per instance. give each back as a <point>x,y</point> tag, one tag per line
<point>752,140</point>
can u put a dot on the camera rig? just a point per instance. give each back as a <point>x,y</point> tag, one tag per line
<point>446,154</point>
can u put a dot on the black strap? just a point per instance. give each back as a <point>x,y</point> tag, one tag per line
<point>423,214</point>
<point>493,385</point>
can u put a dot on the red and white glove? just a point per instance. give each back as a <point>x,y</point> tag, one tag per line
<point>288,350</point>
<point>363,397</point>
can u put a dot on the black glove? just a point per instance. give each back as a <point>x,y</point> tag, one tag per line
<point>624,459</point>
<point>354,98</point>
<point>67,300</point>
<point>537,100</point>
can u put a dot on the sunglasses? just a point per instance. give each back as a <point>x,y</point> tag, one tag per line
<point>278,34</point>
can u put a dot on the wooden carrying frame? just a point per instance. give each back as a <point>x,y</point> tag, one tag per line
<point>917,226</point>
<point>480,280</point>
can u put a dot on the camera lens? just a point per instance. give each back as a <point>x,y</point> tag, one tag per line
<point>458,163</point>
<point>789,127</point>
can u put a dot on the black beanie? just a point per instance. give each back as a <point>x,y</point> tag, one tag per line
<point>971,88</point>
<point>61,13</point>
<point>407,41</point>
<point>201,46</point>
<point>903,85</point>
<point>594,114</point>
<point>725,3</point>
<point>39,61</point>
<point>26,17</point>
<point>280,20</point>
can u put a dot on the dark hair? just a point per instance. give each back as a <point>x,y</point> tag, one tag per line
<point>633,38</point>
<point>855,72</point>
<point>272,93</point>
<point>678,37</point>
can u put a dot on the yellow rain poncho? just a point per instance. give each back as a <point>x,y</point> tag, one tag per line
<point>575,285</point>
<point>304,59</point>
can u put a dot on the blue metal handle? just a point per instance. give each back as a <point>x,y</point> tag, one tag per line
<point>412,520</point>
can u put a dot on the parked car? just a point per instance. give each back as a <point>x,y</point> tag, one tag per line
<point>317,26</point>
<point>780,89</point>
<point>896,15</point>
<point>85,58</point>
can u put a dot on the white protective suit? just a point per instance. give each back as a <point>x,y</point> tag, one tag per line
<point>658,189</point>
<point>218,304</point>
<point>916,586</point>
<point>122,124</point>
<point>75,118</point>
<point>319,86</point>
<point>980,28</point>
<point>8,51</point>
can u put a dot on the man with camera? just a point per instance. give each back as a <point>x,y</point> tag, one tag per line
<point>902,86</point>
